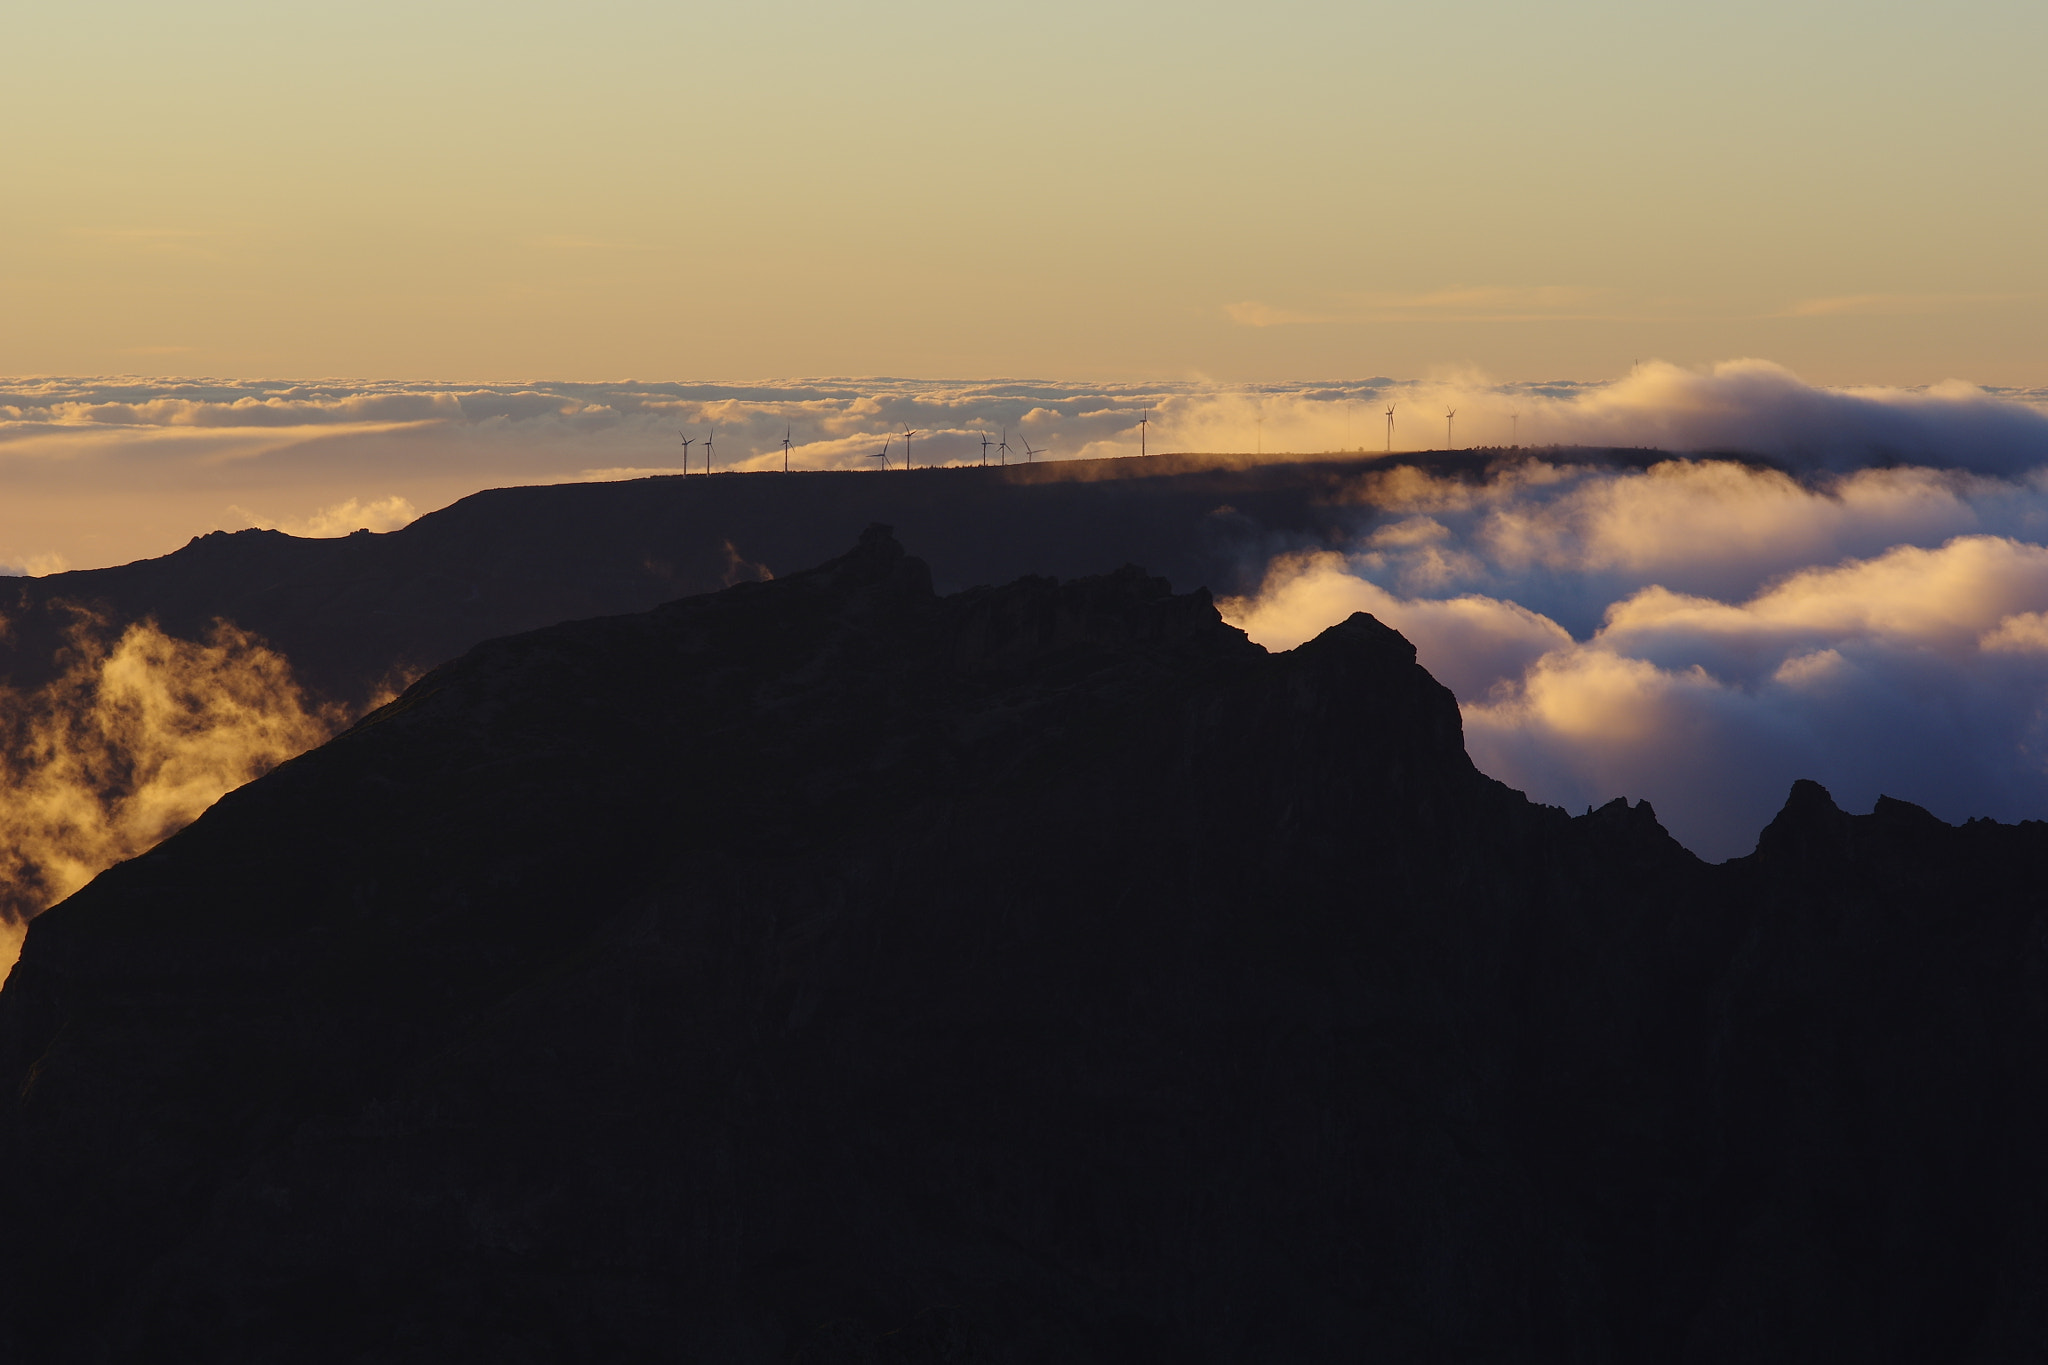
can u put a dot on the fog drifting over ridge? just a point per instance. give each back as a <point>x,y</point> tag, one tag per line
<point>1863,601</point>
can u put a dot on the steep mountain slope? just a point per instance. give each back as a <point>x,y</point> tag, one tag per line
<point>827,970</point>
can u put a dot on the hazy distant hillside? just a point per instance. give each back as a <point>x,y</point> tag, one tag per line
<point>351,613</point>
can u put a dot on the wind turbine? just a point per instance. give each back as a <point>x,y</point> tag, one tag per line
<point>907,434</point>
<point>1390,427</point>
<point>1515,428</point>
<point>985,444</point>
<point>1029,453</point>
<point>688,441</point>
<point>883,453</point>
<point>1003,450</point>
<point>1449,413</point>
<point>1143,422</point>
<point>707,452</point>
<point>785,448</point>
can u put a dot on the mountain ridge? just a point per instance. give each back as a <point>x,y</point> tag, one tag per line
<point>825,969</point>
<point>358,615</point>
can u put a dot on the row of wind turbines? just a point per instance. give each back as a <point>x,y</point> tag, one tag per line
<point>1031,452</point>
<point>1451,416</point>
<point>1002,447</point>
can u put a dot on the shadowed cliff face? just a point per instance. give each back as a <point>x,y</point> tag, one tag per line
<point>826,970</point>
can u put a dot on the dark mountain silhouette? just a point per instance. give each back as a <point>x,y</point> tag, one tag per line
<point>357,613</point>
<point>827,970</point>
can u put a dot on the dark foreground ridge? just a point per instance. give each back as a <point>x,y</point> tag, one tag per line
<point>824,970</point>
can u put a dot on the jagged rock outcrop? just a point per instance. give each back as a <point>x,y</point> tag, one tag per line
<point>827,970</point>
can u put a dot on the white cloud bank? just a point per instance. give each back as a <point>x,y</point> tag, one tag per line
<point>1861,599</point>
<point>1701,633</point>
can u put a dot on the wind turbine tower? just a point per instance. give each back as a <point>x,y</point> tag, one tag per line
<point>688,441</point>
<point>907,434</point>
<point>1449,413</point>
<point>1030,454</point>
<point>883,453</point>
<point>707,451</point>
<point>1390,427</point>
<point>1003,450</point>
<point>785,448</point>
<point>1515,429</point>
<point>985,444</point>
<point>1143,422</point>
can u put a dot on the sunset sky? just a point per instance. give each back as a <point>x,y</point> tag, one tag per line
<point>316,268</point>
<point>1230,192</point>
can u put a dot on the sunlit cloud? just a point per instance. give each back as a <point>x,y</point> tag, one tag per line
<point>340,519</point>
<point>140,734</point>
<point>32,566</point>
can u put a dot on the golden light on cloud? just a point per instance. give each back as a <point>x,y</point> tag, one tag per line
<point>342,518</point>
<point>2024,632</point>
<point>137,737</point>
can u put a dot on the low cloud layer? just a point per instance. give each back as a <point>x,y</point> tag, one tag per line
<point>102,471</point>
<point>1853,597</point>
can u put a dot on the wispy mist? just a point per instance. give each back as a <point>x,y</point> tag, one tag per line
<point>139,735</point>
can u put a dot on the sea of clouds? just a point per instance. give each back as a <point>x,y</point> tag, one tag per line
<point>1843,584</point>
